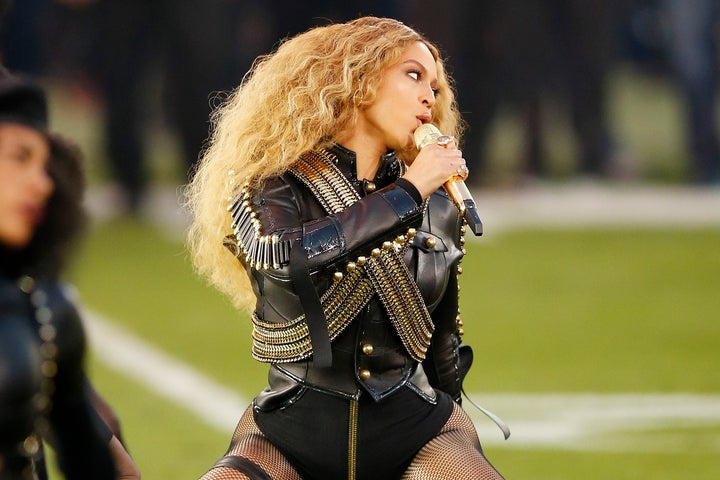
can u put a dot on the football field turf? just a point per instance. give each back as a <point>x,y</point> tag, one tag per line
<point>599,347</point>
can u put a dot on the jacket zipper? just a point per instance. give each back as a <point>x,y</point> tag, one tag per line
<point>352,439</point>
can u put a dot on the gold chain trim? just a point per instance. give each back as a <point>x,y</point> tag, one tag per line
<point>385,272</point>
<point>290,341</point>
<point>317,171</point>
<point>386,268</point>
<point>401,298</point>
<point>247,243</point>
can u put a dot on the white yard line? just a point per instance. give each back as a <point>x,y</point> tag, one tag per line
<point>214,404</point>
<point>537,420</point>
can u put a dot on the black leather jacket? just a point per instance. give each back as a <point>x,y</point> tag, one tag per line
<point>367,356</point>
<point>79,436</point>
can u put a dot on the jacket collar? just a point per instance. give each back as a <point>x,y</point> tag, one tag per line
<point>387,173</point>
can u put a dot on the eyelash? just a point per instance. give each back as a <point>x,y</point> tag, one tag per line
<point>419,75</point>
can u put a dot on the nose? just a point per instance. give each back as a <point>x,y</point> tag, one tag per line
<point>41,182</point>
<point>428,96</point>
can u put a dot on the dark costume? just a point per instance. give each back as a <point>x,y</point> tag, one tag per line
<point>386,357</point>
<point>44,394</point>
<point>42,384</point>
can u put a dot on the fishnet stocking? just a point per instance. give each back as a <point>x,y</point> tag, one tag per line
<point>455,453</point>
<point>250,443</point>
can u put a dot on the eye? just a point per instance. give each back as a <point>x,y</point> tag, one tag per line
<point>414,74</point>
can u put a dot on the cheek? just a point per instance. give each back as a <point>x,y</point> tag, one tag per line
<point>16,227</point>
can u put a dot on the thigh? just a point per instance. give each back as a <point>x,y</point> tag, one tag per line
<point>251,456</point>
<point>454,453</point>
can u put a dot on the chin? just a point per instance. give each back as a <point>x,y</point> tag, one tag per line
<point>16,238</point>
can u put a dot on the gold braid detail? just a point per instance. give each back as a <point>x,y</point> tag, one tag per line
<point>384,273</point>
<point>386,269</point>
<point>290,341</point>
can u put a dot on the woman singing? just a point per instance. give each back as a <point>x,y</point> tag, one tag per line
<point>314,209</point>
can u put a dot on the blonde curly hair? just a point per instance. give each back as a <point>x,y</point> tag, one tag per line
<point>305,95</point>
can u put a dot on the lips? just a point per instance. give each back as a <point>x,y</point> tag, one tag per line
<point>33,213</point>
<point>425,118</point>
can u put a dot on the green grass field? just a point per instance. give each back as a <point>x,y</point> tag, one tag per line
<point>563,311</point>
<point>573,311</point>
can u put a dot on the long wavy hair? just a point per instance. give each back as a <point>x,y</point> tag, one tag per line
<point>304,96</point>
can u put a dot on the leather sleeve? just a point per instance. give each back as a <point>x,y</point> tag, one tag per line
<point>327,239</point>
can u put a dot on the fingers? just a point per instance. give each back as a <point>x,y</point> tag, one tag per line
<point>451,159</point>
<point>462,171</point>
<point>445,140</point>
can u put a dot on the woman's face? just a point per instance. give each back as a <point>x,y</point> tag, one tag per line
<point>25,185</point>
<point>405,97</point>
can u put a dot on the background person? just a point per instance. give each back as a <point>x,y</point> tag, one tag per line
<point>44,392</point>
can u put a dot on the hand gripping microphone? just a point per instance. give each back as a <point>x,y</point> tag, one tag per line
<point>455,187</point>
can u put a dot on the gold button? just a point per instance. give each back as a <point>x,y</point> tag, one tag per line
<point>26,283</point>
<point>364,374</point>
<point>370,187</point>
<point>430,242</point>
<point>367,348</point>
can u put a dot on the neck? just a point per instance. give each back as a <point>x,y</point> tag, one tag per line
<point>367,155</point>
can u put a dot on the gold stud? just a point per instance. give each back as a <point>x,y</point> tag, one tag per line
<point>338,276</point>
<point>364,374</point>
<point>430,242</point>
<point>367,348</point>
<point>411,232</point>
<point>351,266</point>
<point>375,253</point>
<point>26,283</point>
<point>361,261</point>
<point>370,187</point>
<point>460,332</point>
<point>31,445</point>
<point>387,245</point>
<point>459,270</point>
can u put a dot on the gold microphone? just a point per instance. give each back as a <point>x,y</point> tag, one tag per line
<point>455,187</point>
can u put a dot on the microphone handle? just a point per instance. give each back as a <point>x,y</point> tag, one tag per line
<point>455,187</point>
<point>461,197</point>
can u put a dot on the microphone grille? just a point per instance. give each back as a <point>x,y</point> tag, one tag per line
<point>426,134</point>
